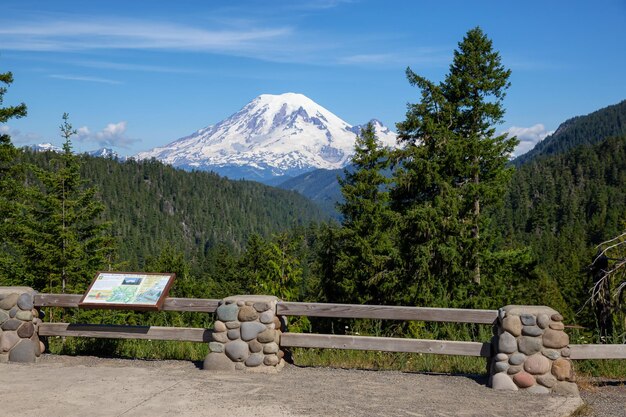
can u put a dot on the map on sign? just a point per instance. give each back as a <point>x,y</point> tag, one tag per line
<point>127,290</point>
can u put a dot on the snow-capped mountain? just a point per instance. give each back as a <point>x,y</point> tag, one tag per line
<point>45,147</point>
<point>104,153</point>
<point>98,153</point>
<point>273,135</point>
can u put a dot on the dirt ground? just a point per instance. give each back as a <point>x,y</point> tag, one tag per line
<point>86,386</point>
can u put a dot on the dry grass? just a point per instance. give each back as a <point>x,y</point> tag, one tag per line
<point>586,382</point>
<point>372,360</point>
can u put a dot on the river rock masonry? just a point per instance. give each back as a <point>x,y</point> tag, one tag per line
<point>246,335</point>
<point>532,352</point>
<point>19,323</point>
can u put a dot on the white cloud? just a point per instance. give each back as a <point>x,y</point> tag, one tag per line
<point>250,38</point>
<point>528,137</point>
<point>18,137</point>
<point>108,33</point>
<point>84,78</point>
<point>113,135</point>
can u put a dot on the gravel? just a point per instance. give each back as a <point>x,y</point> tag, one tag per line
<point>605,398</point>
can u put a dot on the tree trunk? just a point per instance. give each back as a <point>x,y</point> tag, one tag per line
<point>476,275</point>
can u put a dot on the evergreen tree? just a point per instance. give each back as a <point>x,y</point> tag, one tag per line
<point>253,263</point>
<point>172,261</point>
<point>365,260</point>
<point>11,189</point>
<point>276,267</point>
<point>451,167</point>
<point>64,240</point>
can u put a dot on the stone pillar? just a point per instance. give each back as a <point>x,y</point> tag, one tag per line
<point>246,335</point>
<point>531,352</point>
<point>19,323</point>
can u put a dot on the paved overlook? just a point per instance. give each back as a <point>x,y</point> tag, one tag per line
<point>61,386</point>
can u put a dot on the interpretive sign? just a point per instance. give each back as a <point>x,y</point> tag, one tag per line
<point>128,290</point>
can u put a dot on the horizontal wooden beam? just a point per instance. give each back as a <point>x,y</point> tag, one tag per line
<point>361,311</point>
<point>598,351</point>
<point>385,344</point>
<point>171,304</point>
<point>202,305</point>
<point>125,332</point>
<point>57,300</point>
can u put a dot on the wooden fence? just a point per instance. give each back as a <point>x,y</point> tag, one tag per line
<point>323,341</point>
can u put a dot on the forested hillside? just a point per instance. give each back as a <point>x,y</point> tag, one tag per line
<point>562,207</point>
<point>321,186</point>
<point>581,130</point>
<point>152,206</point>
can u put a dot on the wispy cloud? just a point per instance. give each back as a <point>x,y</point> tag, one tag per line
<point>18,137</point>
<point>113,135</point>
<point>528,137</point>
<point>265,39</point>
<point>85,78</point>
<point>250,38</point>
<point>418,56</point>
<point>318,4</point>
<point>126,34</point>
<point>119,66</point>
<point>367,59</point>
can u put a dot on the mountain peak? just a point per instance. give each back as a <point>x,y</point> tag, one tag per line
<point>101,153</point>
<point>45,147</point>
<point>273,135</point>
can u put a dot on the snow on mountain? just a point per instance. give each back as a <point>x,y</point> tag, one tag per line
<point>104,153</point>
<point>99,153</point>
<point>45,147</point>
<point>273,135</point>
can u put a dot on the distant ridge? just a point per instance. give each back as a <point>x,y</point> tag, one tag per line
<point>44,147</point>
<point>581,130</point>
<point>321,186</point>
<point>98,153</point>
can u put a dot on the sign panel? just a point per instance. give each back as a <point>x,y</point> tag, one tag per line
<point>128,290</point>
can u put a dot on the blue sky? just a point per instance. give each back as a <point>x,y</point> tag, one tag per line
<point>138,74</point>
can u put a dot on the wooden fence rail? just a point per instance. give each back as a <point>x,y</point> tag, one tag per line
<point>171,304</point>
<point>362,311</point>
<point>323,341</point>
<point>108,331</point>
<point>612,351</point>
<point>385,344</point>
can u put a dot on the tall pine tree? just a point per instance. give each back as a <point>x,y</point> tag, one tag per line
<point>11,189</point>
<point>64,239</point>
<point>451,167</point>
<point>365,258</point>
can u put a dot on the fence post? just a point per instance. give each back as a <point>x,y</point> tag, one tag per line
<point>19,324</point>
<point>531,352</point>
<point>246,335</point>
